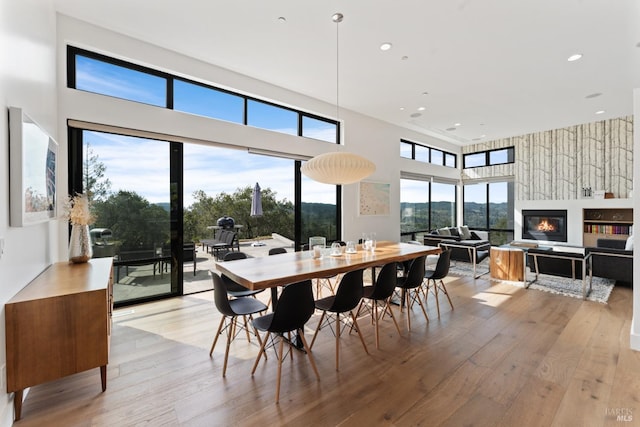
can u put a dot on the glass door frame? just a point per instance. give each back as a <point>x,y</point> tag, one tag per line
<point>75,185</point>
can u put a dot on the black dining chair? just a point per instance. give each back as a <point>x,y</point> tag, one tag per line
<point>277,251</point>
<point>234,288</point>
<point>347,298</point>
<point>294,309</point>
<point>435,284</point>
<point>410,285</point>
<point>379,294</point>
<point>230,310</point>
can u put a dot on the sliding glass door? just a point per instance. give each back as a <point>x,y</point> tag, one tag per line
<point>127,180</point>
<point>156,203</point>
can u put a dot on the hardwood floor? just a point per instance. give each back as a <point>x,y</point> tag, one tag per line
<point>505,356</point>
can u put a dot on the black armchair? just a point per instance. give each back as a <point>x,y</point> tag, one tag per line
<point>611,261</point>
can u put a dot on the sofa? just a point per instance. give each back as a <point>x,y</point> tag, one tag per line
<point>462,242</point>
<point>612,259</point>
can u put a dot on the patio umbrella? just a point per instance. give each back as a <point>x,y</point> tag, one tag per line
<point>256,209</point>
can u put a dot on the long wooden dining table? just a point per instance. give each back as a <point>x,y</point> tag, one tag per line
<point>283,269</point>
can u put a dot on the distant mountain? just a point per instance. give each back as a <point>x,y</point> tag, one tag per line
<point>164,205</point>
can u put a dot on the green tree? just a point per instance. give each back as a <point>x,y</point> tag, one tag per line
<point>205,211</point>
<point>136,224</point>
<point>94,183</point>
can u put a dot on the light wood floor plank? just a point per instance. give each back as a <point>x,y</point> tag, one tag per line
<point>503,356</point>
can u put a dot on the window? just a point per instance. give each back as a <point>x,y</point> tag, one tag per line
<point>489,207</point>
<point>442,212</point>
<point>489,158</point>
<point>437,157</point>
<point>425,206</point>
<point>272,117</point>
<point>321,129</point>
<point>205,101</point>
<point>422,153</point>
<point>93,72</point>
<point>414,206</point>
<point>406,150</point>
<point>105,78</point>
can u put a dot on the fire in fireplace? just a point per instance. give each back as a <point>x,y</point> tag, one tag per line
<point>547,225</point>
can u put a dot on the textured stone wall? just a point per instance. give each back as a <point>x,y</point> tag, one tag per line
<point>557,164</point>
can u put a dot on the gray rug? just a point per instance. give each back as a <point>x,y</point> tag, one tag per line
<point>600,288</point>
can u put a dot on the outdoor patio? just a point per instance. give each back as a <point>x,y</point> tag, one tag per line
<point>140,281</point>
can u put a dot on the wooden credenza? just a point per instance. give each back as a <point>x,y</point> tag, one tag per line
<point>58,325</point>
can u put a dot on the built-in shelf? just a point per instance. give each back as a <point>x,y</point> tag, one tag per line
<point>606,224</point>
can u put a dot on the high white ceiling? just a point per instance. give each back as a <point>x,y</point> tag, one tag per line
<point>497,67</point>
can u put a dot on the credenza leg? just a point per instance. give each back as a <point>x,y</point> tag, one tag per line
<point>17,404</point>
<point>103,376</point>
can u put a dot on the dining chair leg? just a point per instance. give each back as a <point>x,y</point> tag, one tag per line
<point>308,350</point>
<point>246,327</point>
<point>417,296</point>
<point>262,351</point>
<point>229,338</point>
<point>337,340</point>
<point>359,332</point>
<point>280,357</point>
<point>215,340</point>
<point>406,307</point>
<point>258,338</point>
<point>313,340</point>
<point>435,294</point>
<point>291,352</point>
<point>374,318</point>
<point>393,316</point>
<point>444,289</point>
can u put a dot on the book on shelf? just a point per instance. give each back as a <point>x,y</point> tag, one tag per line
<point>607,229</point>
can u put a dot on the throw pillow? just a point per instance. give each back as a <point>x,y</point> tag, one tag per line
<point>454,231</point>
<point>465,234</point>
<point>444,231</point>
<point>629,245</point>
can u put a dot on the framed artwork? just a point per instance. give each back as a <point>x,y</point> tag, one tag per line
<point>374,198</point>
<point>32,171</point>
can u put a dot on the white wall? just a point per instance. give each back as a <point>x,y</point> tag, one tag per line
<point>27,80</point>
<point>635,322</point>
<point>378,141</point>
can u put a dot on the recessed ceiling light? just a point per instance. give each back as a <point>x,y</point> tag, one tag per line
<point>421,108</point>
<point>483,135</point>
<point>401,108</point>
<point>457,124</point>
<point>414,115</point>
<point>476,139</point>
<point>425,93</point>
<point>450,129</point>
<point>385,46</point>
<point>600,112</point>
<point>404,58</point>
<point>574,57</point>
<point>282,19</point>
<point>593,95</point>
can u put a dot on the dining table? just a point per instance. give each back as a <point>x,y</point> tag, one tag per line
<point>291,267</point>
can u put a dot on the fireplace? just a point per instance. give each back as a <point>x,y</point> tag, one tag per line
<point>548,225</point>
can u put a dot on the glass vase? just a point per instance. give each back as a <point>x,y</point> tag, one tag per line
<point>80,249</point>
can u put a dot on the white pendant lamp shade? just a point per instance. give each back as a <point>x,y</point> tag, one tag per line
<point>338,168</point>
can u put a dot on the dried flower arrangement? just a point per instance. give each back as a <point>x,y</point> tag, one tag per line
<point>78,210</point>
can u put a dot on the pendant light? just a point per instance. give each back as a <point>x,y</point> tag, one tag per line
<point>338,167</point>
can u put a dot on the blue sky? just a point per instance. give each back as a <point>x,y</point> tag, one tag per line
<point>142,165</point>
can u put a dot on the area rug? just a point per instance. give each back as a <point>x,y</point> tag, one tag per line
<point>600,288</point>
